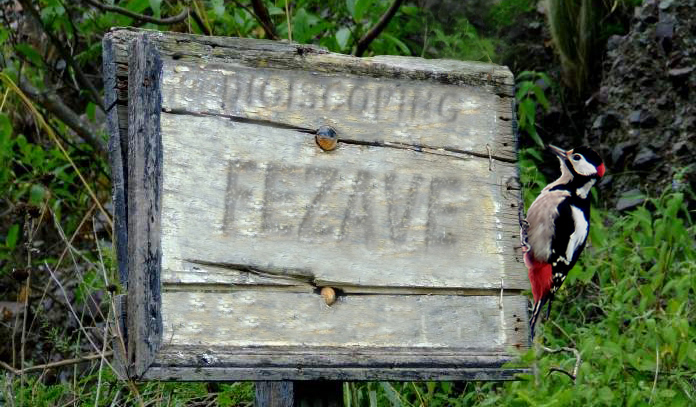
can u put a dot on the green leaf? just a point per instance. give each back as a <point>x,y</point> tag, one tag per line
<point>30,53</point>
<point>155,6</point>
<point>91,110</point>
<point>4,34</point>
<point>526,75</point>
<point>218,7</point>
<point>404,49</point>
<point>350,5</point>
<point>12,236</point>
<point>391,394</point>
<point>138,6</point>
<point>275,11</point>
<point>37,194</point>
<point>541,98</point>
<point>522,89</point>
<point>342,37</point>
<point>373,398</point>
<point>359,10</point>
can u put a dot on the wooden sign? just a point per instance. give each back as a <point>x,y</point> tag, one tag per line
<point>285,213</point>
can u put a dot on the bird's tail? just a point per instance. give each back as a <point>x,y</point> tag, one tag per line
<point>536,312</point>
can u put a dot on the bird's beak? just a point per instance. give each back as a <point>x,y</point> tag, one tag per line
<point>558,151</point>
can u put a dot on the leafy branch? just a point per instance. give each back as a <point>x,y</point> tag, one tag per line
<point>370,36</point>
<point>186,12</point>
<point>67,56</point>
<point>529,95</point>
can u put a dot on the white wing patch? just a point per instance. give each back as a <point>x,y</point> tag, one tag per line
<point>579,235</point>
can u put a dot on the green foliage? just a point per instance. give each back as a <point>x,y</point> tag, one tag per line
<point>35,393</point>
<point>529,96</point>
<point>505,12</point>
<point>463,43</point>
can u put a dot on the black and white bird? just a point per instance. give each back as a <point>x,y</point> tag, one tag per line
<point>558,221</point>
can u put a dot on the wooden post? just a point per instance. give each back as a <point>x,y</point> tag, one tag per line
<point>275,394</point>
<point>299,394</point>
<point>284,213</point>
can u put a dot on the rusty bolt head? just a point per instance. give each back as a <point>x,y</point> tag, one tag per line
<point>329,295</point>
<point>326,138</point>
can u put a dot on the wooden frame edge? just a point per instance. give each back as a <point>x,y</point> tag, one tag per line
<point>144,318</point>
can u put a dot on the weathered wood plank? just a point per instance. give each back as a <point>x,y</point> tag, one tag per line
<point>468,77</point>
<point>119,338</point>
<point>368,110</point>
<point>144,205</point>
<point>322,356</point>
<point>226,374</point>
<point>293,56</point>
<point>118,160</point>
<point>359,215</point>
<point>260,318</point>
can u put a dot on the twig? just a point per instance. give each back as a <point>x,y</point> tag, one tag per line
<point>657,370</point>
<point>60,261</point>
<point>199,21</point>
<point>60,363</point>
<point>101,360</point>
<point>287,17</point>
<point>261,14</point>
<point>559,370</point>
<point>53,103</point>
<point>141,17</point>
<point>578,361</point>
<point>28,221</point>
<point>67,56</point>
<point>562,331</point>
<point>365,41</point>
<point>79,322</point>
<point>4,98</point>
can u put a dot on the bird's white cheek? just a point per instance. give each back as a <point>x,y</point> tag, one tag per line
<point>582,167</point>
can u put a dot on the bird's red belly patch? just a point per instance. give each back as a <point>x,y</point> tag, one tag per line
<point>539,276</point>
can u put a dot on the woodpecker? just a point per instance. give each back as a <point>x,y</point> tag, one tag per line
<point>558,221</point>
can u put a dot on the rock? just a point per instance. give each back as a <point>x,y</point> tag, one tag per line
<point>606,121</point>
<point>642,118</point>
<point>664,31</point>
<point>613,42</point>
<point>664,102</point>
<point>630,200</point>
<point>680,72</point>
<point>645,159</point>
<point>665,4</point>
<point>606,181</point>
<point>620,151</point>
<point>681,149</point>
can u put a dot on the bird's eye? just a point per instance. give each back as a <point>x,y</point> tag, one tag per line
<point>577,157</point>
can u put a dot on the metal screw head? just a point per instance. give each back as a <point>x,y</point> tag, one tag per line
<point>326,138</point>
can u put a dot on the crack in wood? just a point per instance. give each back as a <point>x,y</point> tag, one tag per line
<point>387,144</point>
<point>299,275</point>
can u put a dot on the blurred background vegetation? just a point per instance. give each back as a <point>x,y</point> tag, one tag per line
<point>627,307</point>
